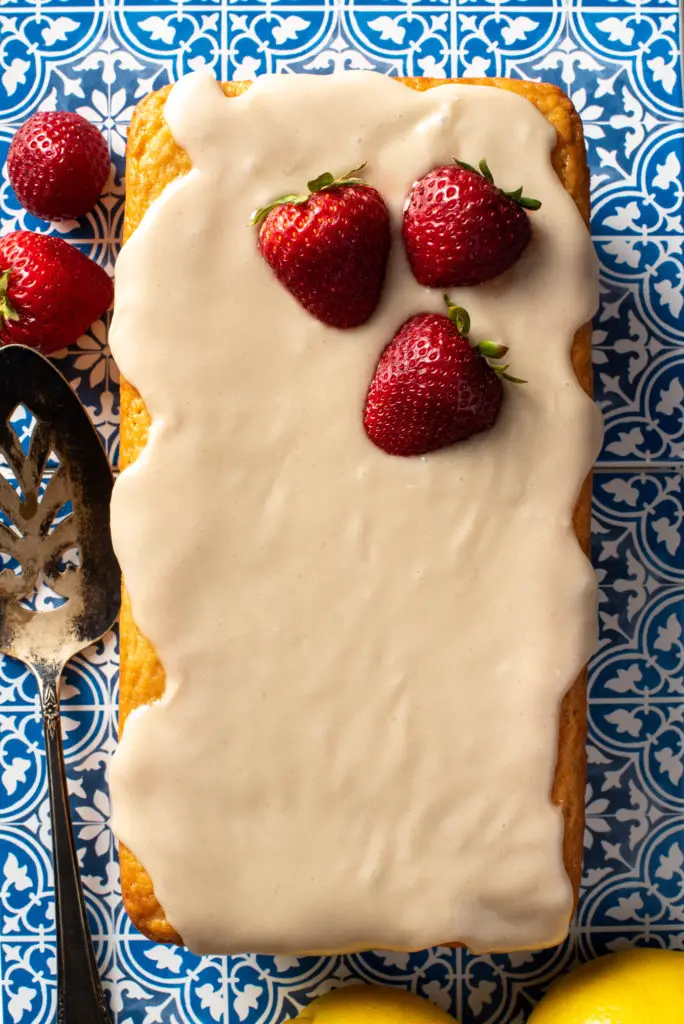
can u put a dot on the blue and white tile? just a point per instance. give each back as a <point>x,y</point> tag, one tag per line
<point>621,63</point>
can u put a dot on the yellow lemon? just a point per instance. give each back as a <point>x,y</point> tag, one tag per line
<point>363,1004</point>
<point>638,986</point>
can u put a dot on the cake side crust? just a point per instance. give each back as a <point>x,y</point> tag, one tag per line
<point>153,161</point>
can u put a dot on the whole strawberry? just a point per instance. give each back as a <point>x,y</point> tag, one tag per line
<point>49,291</point>
<point>57,165</point>
<point>460,229</point>
<point>329,247</point>
<point>432,387</point>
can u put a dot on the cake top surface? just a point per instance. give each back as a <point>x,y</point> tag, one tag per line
<point>365,655</point>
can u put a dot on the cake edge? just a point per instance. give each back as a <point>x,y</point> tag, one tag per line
<point>153,161</point>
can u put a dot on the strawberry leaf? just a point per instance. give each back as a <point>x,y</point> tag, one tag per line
<point>264,211</point>
<point>458,316</point>
<point>7,310</point>
<point>485,172</point>
<point>500,371</point>
<point>528,204</point>
<point>466,167</point>
<point>491,349</point>
<point>516,195</point>
<point>323,183</point>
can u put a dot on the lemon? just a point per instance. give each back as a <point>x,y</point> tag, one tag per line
<point>363,1004</point>
<point>638,986</point>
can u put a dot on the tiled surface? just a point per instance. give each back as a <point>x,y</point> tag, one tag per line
<point>621,63</point>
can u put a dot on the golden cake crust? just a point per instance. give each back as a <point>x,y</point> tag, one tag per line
<point>154,160</point>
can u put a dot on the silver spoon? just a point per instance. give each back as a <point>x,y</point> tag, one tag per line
<point>59,593</point>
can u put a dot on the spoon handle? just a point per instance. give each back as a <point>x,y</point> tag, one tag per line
<point>80,999</point>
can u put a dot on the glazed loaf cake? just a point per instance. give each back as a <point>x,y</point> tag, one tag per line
<point>154,161</point>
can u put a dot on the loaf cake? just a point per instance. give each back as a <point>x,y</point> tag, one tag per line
<point>156,161</point>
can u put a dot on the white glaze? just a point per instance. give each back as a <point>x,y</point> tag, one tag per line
<point>365,655</point>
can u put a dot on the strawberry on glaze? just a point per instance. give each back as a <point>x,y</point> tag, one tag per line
<point>329,248</point>
<point>49,291</point>
<point>57,165</point>
<point>460,229</point>
<point>432,387</point>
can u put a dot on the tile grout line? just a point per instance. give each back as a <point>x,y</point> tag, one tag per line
<point>453,37</point>
<point>16,708</point>
<point>681,45</point>
<point>112,941</point>
<point>224,40</point>
<point>637,466</point>
<point>224,987</point>
<point>675,698</point>
<point>459,982</point>
<point>516,6</point>
<point>50,938</point>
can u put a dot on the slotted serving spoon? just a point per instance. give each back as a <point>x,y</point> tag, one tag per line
<point>55,486</point>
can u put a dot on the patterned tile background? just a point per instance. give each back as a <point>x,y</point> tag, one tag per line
<point>621,62</point>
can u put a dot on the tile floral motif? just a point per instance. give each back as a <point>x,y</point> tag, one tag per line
<point>621,63</point>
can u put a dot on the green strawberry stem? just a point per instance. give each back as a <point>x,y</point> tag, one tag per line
<point>485,172</point>
<point>489,350</point>
<point>516,195</point>
<point>323,183</point>
<point>7,310</point>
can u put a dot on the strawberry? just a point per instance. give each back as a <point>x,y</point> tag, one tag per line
<point>57,165</point>
<point>460,229</point>
<point>329,247</point>
<point>432,387</point>
<point>49,291</point>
